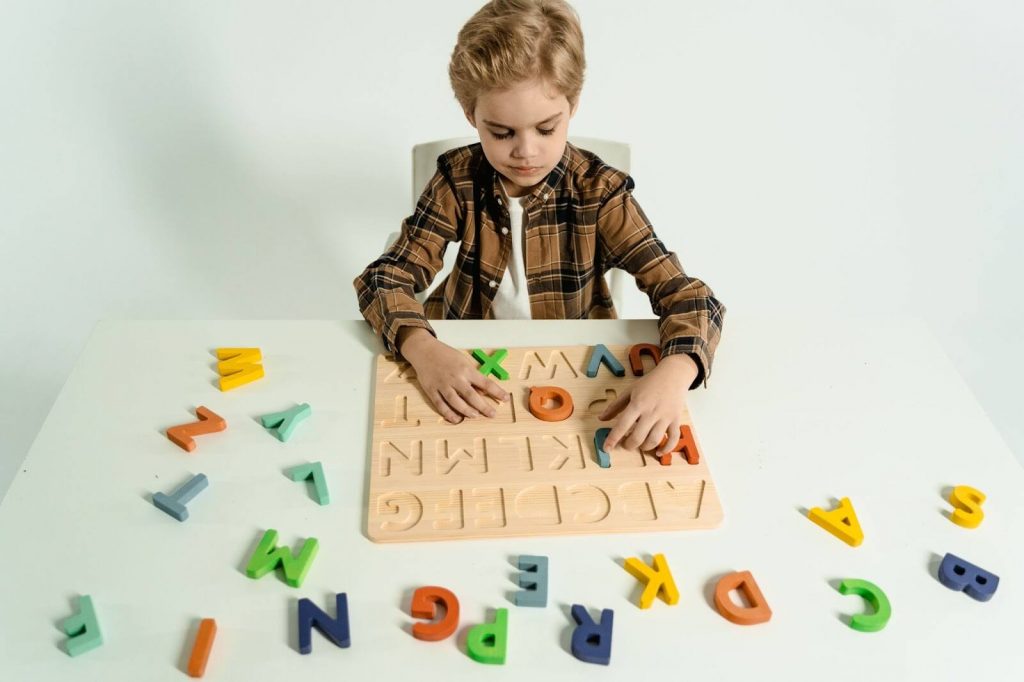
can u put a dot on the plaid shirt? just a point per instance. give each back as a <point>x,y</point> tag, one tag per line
<point>578,223</point>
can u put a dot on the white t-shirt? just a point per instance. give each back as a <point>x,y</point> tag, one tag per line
<point>512,301</point>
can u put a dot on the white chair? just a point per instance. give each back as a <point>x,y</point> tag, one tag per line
<point>424,163</point>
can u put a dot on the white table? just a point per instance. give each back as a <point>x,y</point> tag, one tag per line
<point>797,414</point>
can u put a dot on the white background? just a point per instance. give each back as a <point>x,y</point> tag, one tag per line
<point>186,159</point>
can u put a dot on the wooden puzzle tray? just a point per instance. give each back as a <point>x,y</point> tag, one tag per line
<point>515,474</point>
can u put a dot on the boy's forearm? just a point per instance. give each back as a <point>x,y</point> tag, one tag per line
<point>411,341</point>
<point>388,303</point>
<point>693,347</point>
<point>683,365</point>
<point>386,289</point>
<point>690,317</point>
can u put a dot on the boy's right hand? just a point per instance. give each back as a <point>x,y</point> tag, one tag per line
<point>449,377</point>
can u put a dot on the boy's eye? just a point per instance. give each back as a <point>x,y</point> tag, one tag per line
<point>505,136</point>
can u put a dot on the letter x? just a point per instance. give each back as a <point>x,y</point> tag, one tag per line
<point>491,364</point>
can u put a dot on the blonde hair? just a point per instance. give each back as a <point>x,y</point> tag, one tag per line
<point>510,41</point>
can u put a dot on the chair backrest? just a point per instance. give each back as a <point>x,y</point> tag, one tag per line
<point>424,163</point>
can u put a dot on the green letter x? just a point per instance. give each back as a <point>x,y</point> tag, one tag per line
<point>491,364</point>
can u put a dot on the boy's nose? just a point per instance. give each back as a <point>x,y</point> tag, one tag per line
<point>524,155</point>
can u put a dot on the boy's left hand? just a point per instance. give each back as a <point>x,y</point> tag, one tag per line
<point>653,407</point>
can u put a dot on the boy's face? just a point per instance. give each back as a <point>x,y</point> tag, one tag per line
<point>525,126</point>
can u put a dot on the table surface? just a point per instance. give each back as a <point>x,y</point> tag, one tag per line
<point>797,414</point>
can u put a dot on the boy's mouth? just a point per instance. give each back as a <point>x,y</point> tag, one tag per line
<point>528,170</point>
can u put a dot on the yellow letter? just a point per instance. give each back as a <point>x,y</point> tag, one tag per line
<point>841,522</point>
<point>658,580</point>
<point>238,366</point>
<point>967,501</point>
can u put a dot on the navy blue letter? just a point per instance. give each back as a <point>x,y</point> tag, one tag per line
<point>960,575</point>
<point>334,629</point>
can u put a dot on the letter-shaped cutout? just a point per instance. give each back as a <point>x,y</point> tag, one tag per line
<point>82,628</point>
<point>209,422</point>
<point>741,581</point>
<point>875,597</point>
<point>841,522</point>
<point>335,629</point>
<point>425,601</point>
<point>282,424</point>
<point>592,642</point>
<point>267,557</point>
<point>202,647</point>
<point>541,395</point>
<point>963,576</point>
<point>967,502</point>
<point>658,580</point>
<point>599,355</point>
<point>686,445</point>
<point>603,459</point>
<point>487,642</point>
<point>636,362</point>
<point>534,581</point>
<point>491,364</point>
<point>238,366</point>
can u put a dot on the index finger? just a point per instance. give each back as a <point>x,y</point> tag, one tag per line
<point>622,426</point>
<point>490,387</point>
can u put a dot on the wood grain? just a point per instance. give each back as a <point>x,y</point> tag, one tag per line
<point>515,474</point>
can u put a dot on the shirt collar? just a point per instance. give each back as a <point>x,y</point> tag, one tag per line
<point>544,190</point>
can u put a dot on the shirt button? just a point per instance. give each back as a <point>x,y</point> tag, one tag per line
<point>504,230</point>
<point>493,284</point>
<point>499,200</point>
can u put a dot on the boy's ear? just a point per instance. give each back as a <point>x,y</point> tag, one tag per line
<point>469,117</point>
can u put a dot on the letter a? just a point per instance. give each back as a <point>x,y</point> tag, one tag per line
<point>841,522</point>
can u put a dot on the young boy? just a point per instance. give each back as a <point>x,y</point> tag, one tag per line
<point>539,222</point>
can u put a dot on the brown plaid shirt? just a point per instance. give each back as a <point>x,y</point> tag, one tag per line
<point>577,224</point>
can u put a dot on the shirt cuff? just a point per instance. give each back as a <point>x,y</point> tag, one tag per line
<point>390,336</point>
<point>696,348</point>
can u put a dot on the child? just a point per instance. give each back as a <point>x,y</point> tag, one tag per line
<point>539,221</point>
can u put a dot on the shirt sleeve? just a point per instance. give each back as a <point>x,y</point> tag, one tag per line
<point>689,315</point>
<point>387,288</point>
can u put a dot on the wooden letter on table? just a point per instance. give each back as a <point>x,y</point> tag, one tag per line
<point>515,474</point>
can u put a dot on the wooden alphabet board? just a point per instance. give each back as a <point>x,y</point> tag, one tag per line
<point>515,474</point>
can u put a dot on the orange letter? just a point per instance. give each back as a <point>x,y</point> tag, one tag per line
<point>209,422</point>
<point>201,648</point>
<point>541,395</point>
<point>743,581</point>
<point>424,605</point>
<point>686,445</point>
<point>636,363</point>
